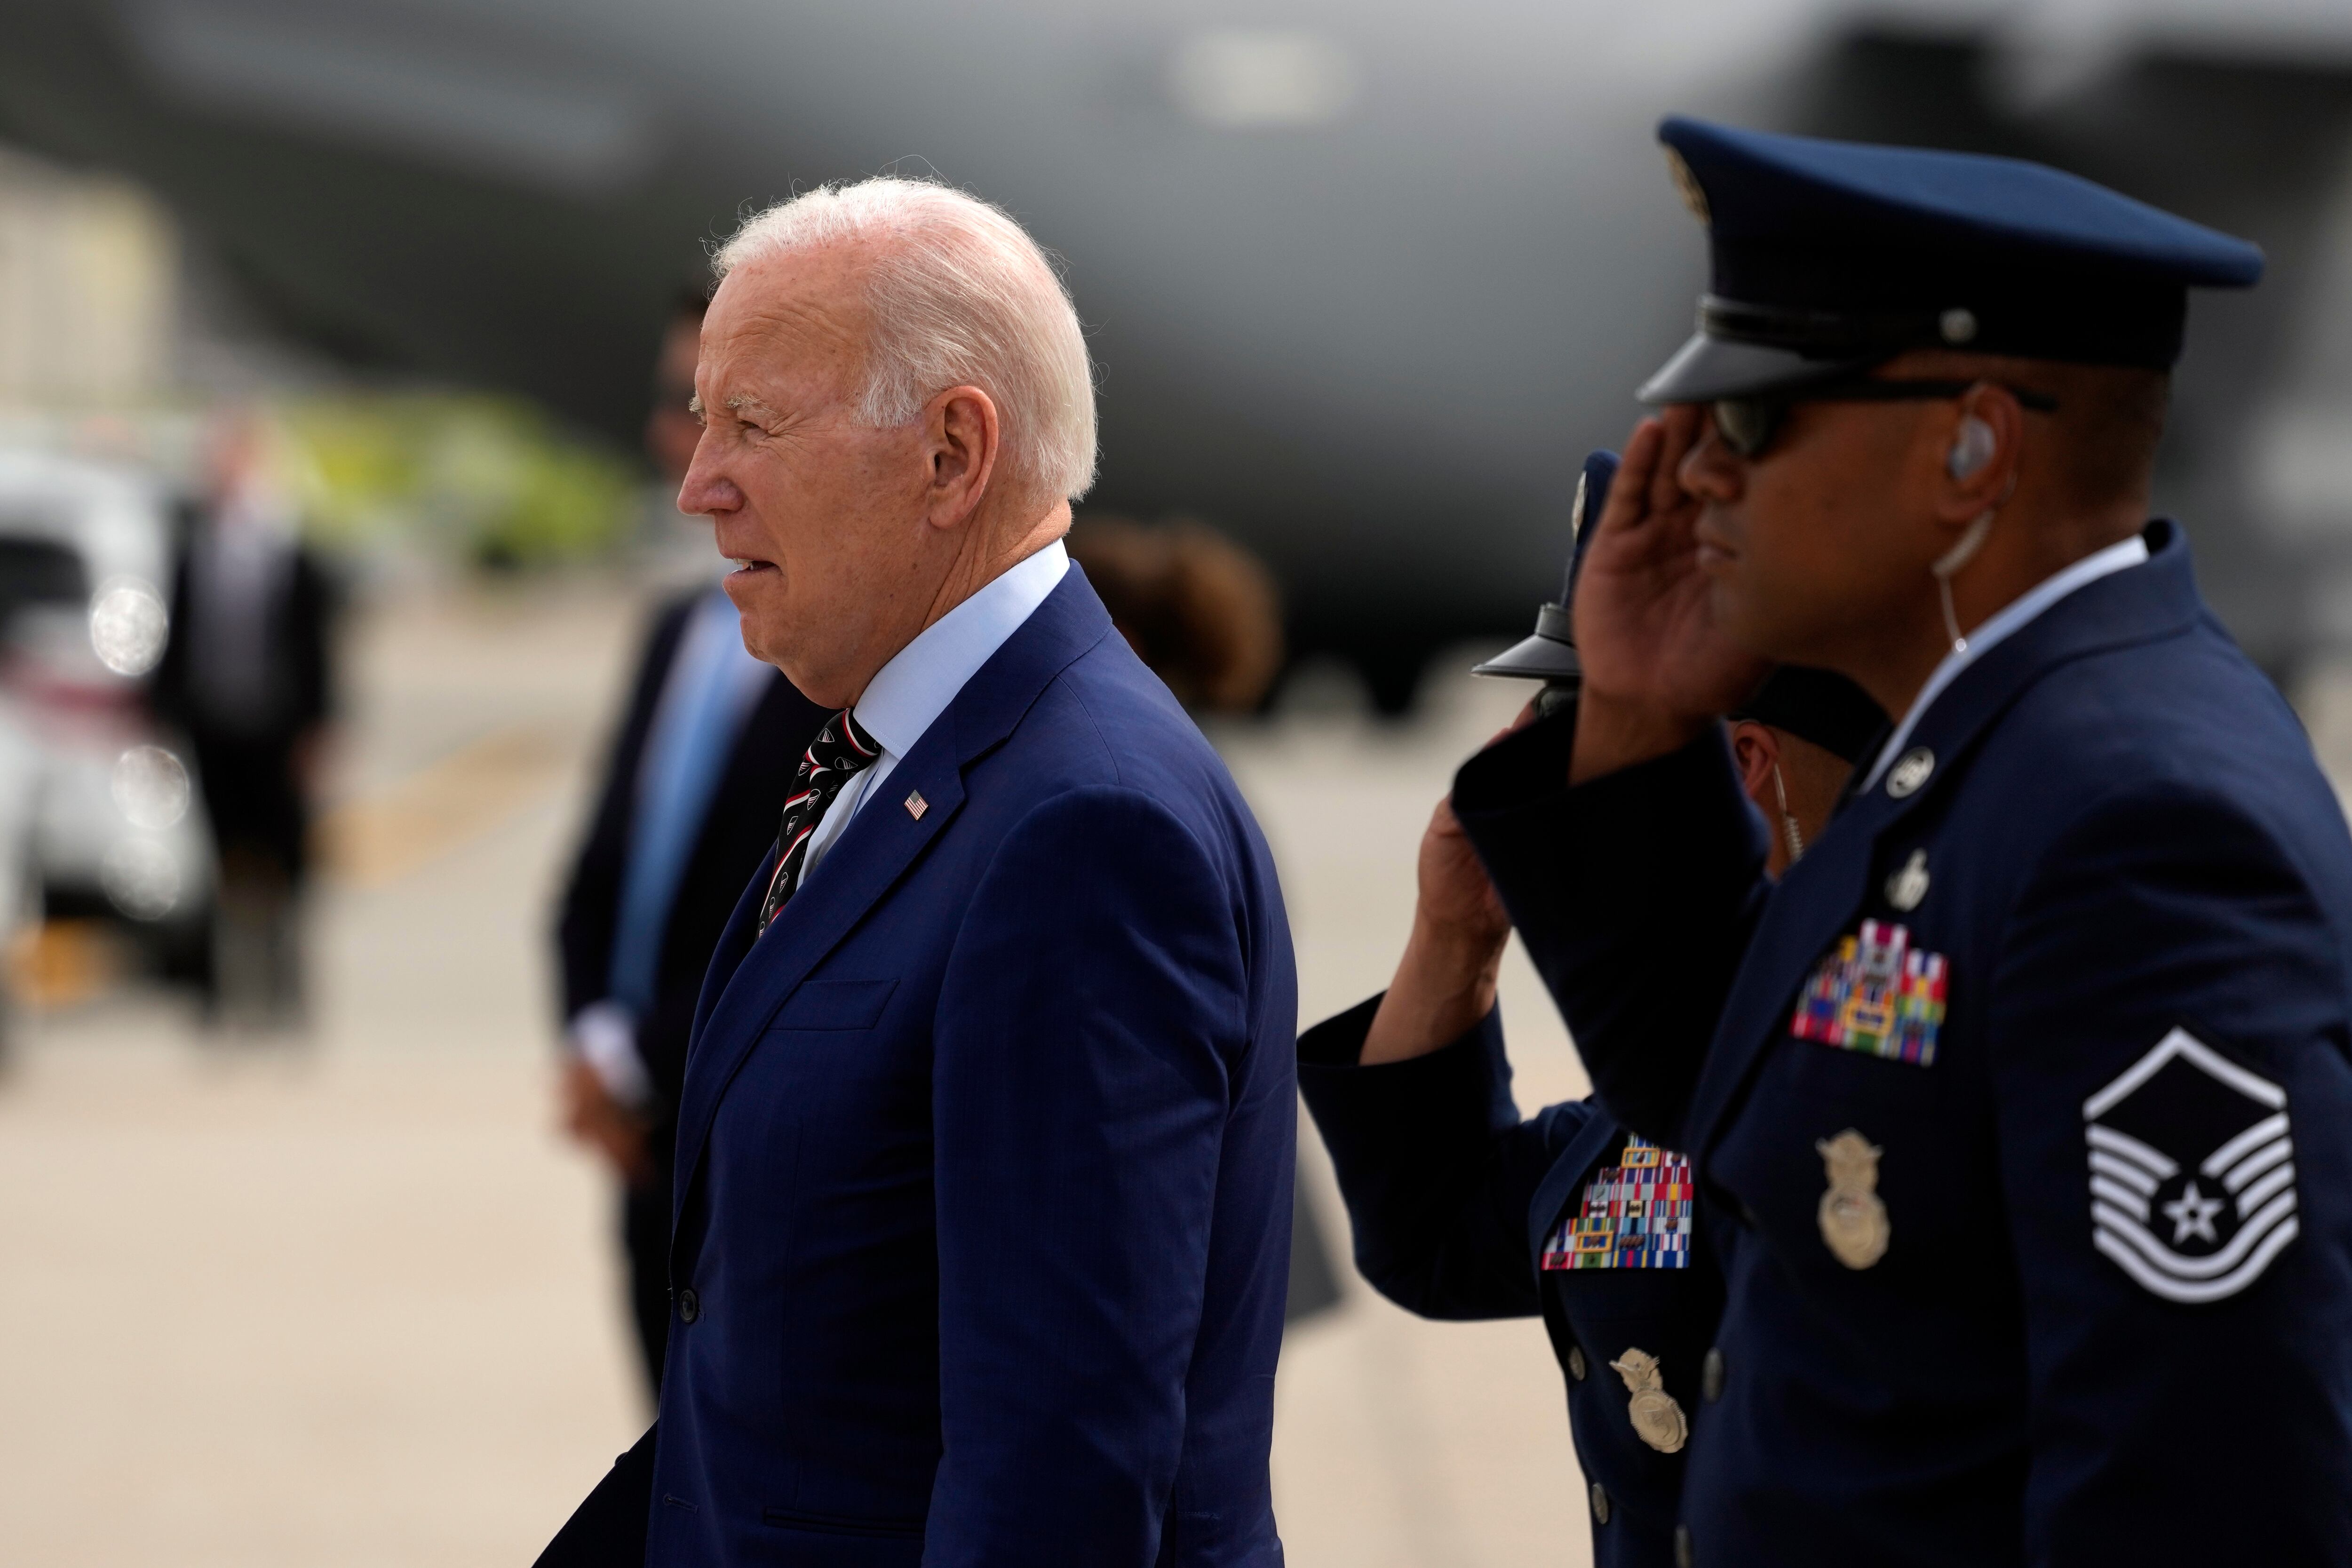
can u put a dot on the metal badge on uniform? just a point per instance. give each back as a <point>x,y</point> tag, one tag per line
<point>1636,1213</point>
<point>1852,1215</point>
<point>1876,994</point>
<point>1907,888</point>
<point>1657,1419</point>
<point>1907,776</point>
<point>2192,1171</point>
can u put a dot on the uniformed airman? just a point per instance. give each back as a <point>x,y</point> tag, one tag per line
<point>2021,1109</point>
<point>1461,1209</point>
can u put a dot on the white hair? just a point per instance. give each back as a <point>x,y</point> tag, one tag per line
<point>958,295</point>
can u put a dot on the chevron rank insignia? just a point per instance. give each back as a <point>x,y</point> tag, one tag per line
<point>1636,1213</point>
<point>2192,1171</point>
<point>1876,994</point>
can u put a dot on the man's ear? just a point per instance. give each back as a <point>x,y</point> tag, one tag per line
<point>1984,445</point>
<point>1757,751</point>
<point>962,439</point>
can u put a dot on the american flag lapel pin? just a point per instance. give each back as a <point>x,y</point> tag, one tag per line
<point>917,805</point>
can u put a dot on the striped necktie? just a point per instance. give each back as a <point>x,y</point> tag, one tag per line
<point>840,751</point>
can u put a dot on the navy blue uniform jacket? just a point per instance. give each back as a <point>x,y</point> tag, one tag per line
<point>2103,1326</point>
<point>984,1156</point>
<point>1452,1196</point>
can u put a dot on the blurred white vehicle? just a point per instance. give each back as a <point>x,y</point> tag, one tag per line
<point>98,808</point>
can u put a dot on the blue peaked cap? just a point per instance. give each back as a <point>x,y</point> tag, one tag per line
<point>1830,256</point>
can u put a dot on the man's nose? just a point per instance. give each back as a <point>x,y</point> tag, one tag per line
<point>706,490</point>
<point>1710,470</point>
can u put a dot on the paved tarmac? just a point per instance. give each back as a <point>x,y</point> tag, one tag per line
<point>354,1301</point>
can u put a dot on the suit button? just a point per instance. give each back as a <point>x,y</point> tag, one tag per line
<point>689,1305</point>
<point>1682,1558</point>
<point>1576,1362</point>
<point>1710,1376</point>
<point>1600,1504</point>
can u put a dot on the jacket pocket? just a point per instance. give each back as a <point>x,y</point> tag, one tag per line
<point>839,1524</point>
<point>834,1004</point>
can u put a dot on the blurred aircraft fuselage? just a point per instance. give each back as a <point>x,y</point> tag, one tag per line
<point>1364,283</point>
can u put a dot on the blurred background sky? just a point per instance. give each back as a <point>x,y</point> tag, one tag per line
<point>1364,283</point>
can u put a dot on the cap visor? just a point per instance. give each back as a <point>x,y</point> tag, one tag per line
<point>1536,658</point>
<point>1706,368</point>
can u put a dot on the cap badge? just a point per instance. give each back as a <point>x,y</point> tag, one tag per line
<point>1852,1218</point>
<point>1876,994</point>
<point>1907,776</point>
<point>1958,326</point>
<point>1657,1419</point>
<point>1686,185</point>
<point>1908,886</point>
<point>917,805</point>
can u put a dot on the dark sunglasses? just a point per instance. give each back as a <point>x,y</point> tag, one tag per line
<point>1748,424</point>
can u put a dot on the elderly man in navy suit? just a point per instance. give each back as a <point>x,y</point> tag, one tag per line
<point>984,1151</point>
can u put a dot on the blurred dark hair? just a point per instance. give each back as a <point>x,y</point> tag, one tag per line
<point>1201,612</point>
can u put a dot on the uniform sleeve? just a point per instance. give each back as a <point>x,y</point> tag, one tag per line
<point>1437,1169</point>
<point>2169,988</point>
<point>1090,1027</point>
<point>1635,894</point>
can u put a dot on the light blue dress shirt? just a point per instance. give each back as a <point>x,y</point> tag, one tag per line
<point>916,686</point>
<point>712,686</point>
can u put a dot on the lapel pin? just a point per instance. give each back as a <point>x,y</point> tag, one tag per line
<point>1906,777</point>
<point>917,805</point>
<point>1908,886</point>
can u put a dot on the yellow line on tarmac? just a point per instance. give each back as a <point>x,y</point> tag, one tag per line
<point>384,836</point>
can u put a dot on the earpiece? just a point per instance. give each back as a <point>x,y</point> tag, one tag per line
<point>1972,449</point>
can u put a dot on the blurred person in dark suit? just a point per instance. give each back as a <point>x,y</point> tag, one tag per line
<point>701,760</point>
<point>246,675</point>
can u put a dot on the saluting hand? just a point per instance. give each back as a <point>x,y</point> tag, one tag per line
<point>1445,981</point>
<point>1657,670</point>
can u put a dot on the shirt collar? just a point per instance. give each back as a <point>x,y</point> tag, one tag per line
<point>916,686</point>
<point>2013,617</point>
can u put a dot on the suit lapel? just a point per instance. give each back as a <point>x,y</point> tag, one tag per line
<point>1824,892</point>
<point>871,853</point>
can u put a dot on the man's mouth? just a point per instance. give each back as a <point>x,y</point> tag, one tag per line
<point>1715,551</point>
<point>742,564</point>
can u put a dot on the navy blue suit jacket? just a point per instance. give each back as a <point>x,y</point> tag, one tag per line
<point>1452,1196</point>
<point>984,1156</point>
<point>2111,828</point>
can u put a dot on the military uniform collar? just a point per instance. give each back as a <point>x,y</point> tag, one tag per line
<point>2111,607</point>
<point>2001,626</point>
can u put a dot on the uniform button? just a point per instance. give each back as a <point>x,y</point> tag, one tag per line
<point>1681,1546</point>
<point>1710,1376</point>
<point>1599,1503</point>
<point>1576,1362</point>
<point>689,1305</point>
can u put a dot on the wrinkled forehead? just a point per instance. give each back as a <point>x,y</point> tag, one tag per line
<point>793,323</point>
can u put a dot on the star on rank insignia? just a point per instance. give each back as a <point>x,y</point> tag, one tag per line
<point>1636,1213</point>
<point>2192,1171</point>
<point>1876,994</point>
